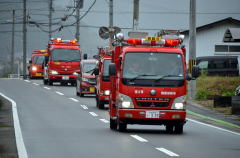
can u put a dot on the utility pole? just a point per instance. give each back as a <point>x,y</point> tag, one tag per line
<point>77,6</point>
<point>50,19</point>
<point>24,40</point>
<point>192,46</point>
<point>135,14</point>
<point>13,31</point>
<point>110,21</point>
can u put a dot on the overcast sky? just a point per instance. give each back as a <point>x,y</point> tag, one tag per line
<point>154,14</point>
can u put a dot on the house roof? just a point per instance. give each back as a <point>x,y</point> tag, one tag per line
<point>216,23</point>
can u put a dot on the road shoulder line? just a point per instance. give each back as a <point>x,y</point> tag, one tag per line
<point>22,152</point>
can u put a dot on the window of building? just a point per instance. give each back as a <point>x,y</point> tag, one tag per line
<point>221,48</point>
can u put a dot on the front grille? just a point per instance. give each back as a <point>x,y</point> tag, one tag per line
<point>153,102</point>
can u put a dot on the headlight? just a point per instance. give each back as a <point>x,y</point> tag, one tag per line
<point>75,73</point>
<point>84,79</point>
<point>106,92</point>
<point>53,72</point>
<point>124,101</point>
<point>34,68</point>
<point>179,103</point>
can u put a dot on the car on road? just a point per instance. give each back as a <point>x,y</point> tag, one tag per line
<point>86,80</point>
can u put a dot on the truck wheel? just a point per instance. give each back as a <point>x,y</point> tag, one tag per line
<point>50,82</point>
<point>122,127</point>
<point>169,128</point>
<point>113,124</point>
<point>45,82</point>
<point>81,94</point>
<point>178,129</point>
<point>100,104</point>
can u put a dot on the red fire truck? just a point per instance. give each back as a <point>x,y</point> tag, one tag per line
<point>148,83</point>
<point>35,68</point>
<point>62,63</point>
<point>103,80</point>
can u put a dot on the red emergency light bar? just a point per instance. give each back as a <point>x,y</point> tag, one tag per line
<point>59,40</point>
<point>40,51</point>
<point>163,42</point>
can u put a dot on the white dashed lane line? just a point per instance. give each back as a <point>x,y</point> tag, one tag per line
<point>27,81</point>
<point>47,88</point>
<point>169,153</point>
<point>139,138</point>
<point>73,99</point>
<point>104,120</point>
<point>93,114</point>
<point>59,93</point>
<point>84,107</point>
<point>36,84</point>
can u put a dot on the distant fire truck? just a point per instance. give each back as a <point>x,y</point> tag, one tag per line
<point>63,62</point>
<point>148,83</point>
<point>35,68</point>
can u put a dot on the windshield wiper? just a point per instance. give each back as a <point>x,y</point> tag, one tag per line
<point>138,76</point>
<point>164,76</point>
<point>72,60</point>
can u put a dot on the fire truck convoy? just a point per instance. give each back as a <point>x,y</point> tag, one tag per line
<point>62,62</point>
<point>35,68</point>
<point>103,79</point>
<point>148,83</point>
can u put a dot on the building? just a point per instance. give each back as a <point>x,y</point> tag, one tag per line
<point>213,39</point>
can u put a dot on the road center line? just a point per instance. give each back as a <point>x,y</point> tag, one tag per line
<point>104,120</point>
<point>27,81</point>
<point>225,130</point>
<point>139,138</point>
<point>36,84</point>
<point>93,114</point>
<point>59,93</point>
<point>84,107</point>
<point>170,153</point>
<point>47,88</point>
<point>73,99</point>
<point>21,149</point>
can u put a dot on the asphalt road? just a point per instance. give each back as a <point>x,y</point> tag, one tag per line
<point>56,123</point>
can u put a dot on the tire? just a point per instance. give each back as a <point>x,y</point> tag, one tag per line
<point>178,129</point>
<point>100,104</point>
<point>113,124</point>
<point>50,82</point>
<point>81,94</point>
<point>122,127</point>
<point>45,82</point>
<point>169,128</point>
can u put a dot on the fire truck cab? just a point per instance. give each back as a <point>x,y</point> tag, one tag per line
<point>103,79</point>
<point>62,63</point>
<point>36,62</point>
<point>148,83</point>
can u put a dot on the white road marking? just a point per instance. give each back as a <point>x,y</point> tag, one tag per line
<point>36,84</point>
<point>84,107</point>
<point>219,128</point>
<point>170,153</point>
<point>93,114</point>
<point>27,81</point>
<point>139,138</point>
<point>59,93</point>
<point>47,88</point>
<point>104,120</point>
<point>73,99</point>
<point>22,152</point>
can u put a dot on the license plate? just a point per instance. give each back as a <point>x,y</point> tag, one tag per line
<point>65,77</point>
<point>92,89</point>
<point>38,74</point>
<point>152,114</point>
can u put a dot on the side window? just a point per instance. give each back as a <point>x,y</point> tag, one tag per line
<point>233,63</point>
<point>220,64</point>
<point>203,65</point>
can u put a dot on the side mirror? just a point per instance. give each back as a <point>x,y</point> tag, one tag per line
<point>96,71</point>
<point>30,61</point>
<point>84,56</point>
<point>112,69</point>
<point>195,71</point>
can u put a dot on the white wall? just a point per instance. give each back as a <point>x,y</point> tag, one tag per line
<point>208,38</point>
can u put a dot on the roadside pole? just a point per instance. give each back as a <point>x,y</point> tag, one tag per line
<point>50,20</point>
<point>135,14</point>
<point>110,21</point>
<point>12,51</point>
<point>192,46</point>
<point>24,40</point>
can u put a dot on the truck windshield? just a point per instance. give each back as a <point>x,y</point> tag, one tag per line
<point>106,70</point>
<point>153,69</point>
<point>38,60</point>
<point>66,55</point>
<point>88,67</point>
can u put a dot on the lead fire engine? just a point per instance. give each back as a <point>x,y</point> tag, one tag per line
<point>148,83</point>
<point>63,62</point>
<point>103,79</point>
